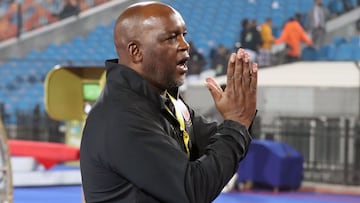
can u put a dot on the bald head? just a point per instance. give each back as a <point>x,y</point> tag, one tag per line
<point>150,39</point>
<point>133,25</point>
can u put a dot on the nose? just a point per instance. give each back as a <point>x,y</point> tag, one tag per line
<point>183,44</point>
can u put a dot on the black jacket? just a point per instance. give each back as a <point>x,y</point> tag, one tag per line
<point>250,39</point>
<point>131,150</point>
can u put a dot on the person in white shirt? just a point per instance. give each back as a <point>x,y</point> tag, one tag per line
<point>315,23</point>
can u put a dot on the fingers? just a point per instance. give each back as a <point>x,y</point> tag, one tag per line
<point>238,72</point>
<point>246,70</point>
<point>241,73</point>
<point>238,101</point>
<point>214,88</point>
<point>254,77</point>
<point>230,74</point>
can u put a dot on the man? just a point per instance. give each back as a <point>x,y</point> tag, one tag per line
<point>135,148</point>
<point>250,38</point>
<point>293,35</point>
<point>220,60</point>
<point>267,39</point>
<point>196,62</point>
<point>70,8</point>
<point>315,23</point>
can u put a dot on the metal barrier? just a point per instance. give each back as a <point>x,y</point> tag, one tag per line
<point>37,126</point>
<point>330,146</point>
<point>6,188</point>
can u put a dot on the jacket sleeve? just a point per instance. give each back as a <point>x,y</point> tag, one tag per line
<point>283,37</point>
<point>166,173</point>
<point>204,129</point>
<point>303,35</point>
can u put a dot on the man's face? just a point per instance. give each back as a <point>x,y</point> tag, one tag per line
<point>165,50</point>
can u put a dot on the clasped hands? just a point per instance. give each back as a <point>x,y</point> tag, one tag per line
<point>238,101</point>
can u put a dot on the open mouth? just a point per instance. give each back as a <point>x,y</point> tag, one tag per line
<point>182,62</point>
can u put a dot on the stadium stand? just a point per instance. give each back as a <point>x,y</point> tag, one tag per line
<point>211,21</point>
<point>35,14</point>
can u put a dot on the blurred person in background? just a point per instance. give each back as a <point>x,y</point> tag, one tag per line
<point>196,61</point>
<point>70,8</point>
<point>219,60</point>
<point>53,6</point>
<point>41,17</point>
<point>293,35</point>
<point>267,39</point>
<point>7,30</point>
<point>250,38</point>
<point>141,142</point>
<point>315,23</point>
<point>98,2</point>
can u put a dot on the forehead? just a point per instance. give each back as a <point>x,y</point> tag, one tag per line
<point>167,21</point>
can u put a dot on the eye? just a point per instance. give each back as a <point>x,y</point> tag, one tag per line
<point>172,37</point>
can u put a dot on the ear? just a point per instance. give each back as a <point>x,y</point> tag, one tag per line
<point>134,52</point>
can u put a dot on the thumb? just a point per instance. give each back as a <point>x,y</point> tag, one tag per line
<point>214,88</point>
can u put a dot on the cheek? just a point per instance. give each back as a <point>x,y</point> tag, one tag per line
<point>162,58</point>
<point>163,70</point>
<point>166,59</point>
<point>156,55</point>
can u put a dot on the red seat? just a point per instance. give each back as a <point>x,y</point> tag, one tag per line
<point>46,153</point>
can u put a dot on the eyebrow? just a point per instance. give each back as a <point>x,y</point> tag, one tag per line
<point>167,33</point>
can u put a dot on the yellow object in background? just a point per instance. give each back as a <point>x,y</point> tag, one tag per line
<point>69,94</point>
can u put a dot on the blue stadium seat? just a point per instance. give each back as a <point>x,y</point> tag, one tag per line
<point>344,52</point>
<point>324,53</point>
<point>265,3</point>
<point>356,53</point>
<point>309,54</point>
<point>305,5</point>
<point>355,40</point>
<point>337,41</point>
<point>336,6</point>
<point>331,52</point>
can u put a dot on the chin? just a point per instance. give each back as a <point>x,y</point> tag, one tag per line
<point>176,84</point>
<point>180,82</point>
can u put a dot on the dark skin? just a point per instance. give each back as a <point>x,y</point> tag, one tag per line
<point>149,38</point>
